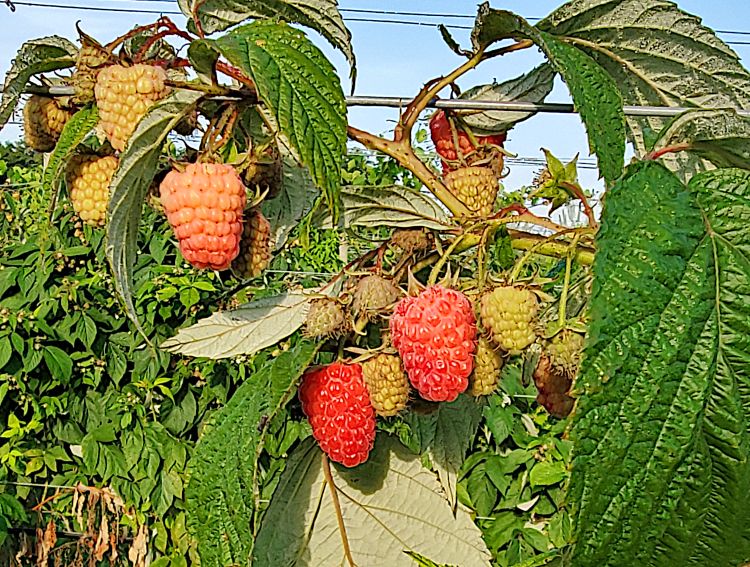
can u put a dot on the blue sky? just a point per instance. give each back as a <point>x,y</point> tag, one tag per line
<point>393,60</point>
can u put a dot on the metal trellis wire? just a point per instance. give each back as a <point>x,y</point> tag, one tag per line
<point>462,104</point>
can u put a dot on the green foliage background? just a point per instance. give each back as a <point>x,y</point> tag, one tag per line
<point>83,398</point>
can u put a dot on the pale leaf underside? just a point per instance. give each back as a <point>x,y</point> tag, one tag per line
<point>245,330</point>
<point>389,505</point>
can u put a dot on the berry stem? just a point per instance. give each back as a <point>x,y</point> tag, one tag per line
<point>426,94</point>
<point>337,508</point>
<point>656,154</point>
<point>444,259</point>
<point>562,314</point>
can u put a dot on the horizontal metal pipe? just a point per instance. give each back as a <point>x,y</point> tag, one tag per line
<point>459,104</point>
<point>552,107</point>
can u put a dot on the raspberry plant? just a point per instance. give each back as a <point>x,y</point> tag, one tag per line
<point>628,330</point>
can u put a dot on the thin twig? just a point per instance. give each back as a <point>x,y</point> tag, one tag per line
<point>403,153</point>
<point>337,509</point>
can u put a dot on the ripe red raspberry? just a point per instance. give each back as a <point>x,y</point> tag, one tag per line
<point>442,137</point>
<point>435,334</point>
<point>335,400</point>
<point>204,206</point>
<point>124,95</point>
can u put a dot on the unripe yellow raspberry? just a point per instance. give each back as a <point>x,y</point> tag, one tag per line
<point>124,95</point>
<point>509,314</point>
<point>43,122</point>
<point>487,366</point>
<point>88,178</point>
<point>475,187</point>
<point>387,383</point>
<point>255,246</point>
<point>91,58</point>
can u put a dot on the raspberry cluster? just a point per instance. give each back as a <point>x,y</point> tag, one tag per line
<point>435,334</point>
<point>124,95</point>
<point>335,400</point>
<point>204,206</point>
<point>88,178</point>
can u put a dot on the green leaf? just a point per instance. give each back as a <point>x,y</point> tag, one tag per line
<point>595,94</point>
<point>636,43</point>
<point>6,350</point>
<point>296,199</point>
<point>301,90</point>
<point>597,100</point>
<point>495,25</point>
<point>222,492</point>
<point>245,330</point>
<point>660,470</point>
<point>423,561</point>
<point>547,473</point>
<point>322,16</point>
<point>58,362</point>
<point>392,205</point>
<point>130,184</point>
<point>389,505</point>
<point>719,136</point>
<point>455,426</point>
<point>533,86</point>
<point>35,56</point>
<point>74,132</point>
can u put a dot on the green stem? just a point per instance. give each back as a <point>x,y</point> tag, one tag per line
<point>444,258</point>
<point>562,313</point>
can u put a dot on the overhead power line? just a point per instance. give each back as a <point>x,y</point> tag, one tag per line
<point>343,10</point>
